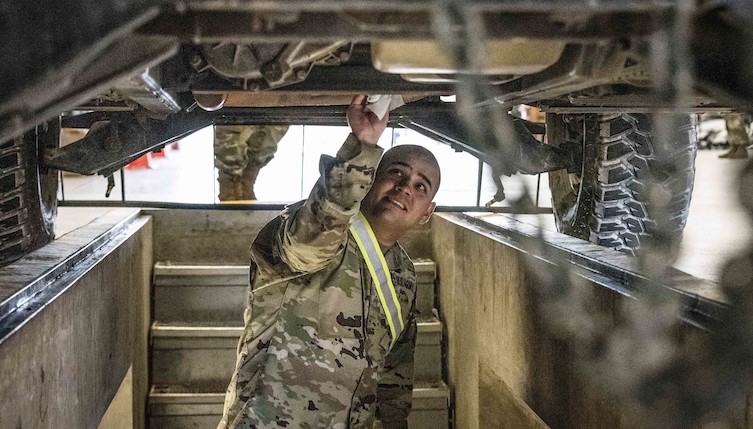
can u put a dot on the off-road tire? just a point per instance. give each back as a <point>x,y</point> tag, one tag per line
<point>28,193</point>
<point>630,188</point>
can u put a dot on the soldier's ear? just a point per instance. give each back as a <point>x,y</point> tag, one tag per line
<point>430,210</point>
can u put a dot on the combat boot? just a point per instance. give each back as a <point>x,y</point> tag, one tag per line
<point>248,180</point>
<point>735,152</point>
<point>229,189</point>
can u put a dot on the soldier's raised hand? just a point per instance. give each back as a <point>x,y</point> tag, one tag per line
<point>364,123</point>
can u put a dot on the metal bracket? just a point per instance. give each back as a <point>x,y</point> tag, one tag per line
<point>146,90</point>
<point>121,139</point>
<point>533,156</point>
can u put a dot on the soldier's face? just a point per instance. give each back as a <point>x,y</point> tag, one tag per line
<point>402,193</point>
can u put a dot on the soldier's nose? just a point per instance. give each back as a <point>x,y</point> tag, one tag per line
<point>401,187</point>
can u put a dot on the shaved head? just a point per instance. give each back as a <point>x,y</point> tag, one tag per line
<point>402,194</point>
<point>404,152</point>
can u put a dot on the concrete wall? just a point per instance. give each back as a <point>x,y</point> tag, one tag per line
<point>141,298</point>
<point>506,370</point>
<point>206,236</point>
<point>62,367</point>
<point>490,329</point>
<point>224,236</point>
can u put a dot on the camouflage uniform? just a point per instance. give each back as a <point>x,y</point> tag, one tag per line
<point>316,350</point>
<point>737,136</point>
<point>240,152</point>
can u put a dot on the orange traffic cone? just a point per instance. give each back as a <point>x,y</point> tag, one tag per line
<point>164,152</point>
<point>144,161</point>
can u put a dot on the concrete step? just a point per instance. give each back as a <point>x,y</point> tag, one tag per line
<point>202,356</point>
<point>427,364</point>
<point>430,410</point>
<point>426,275</point>
<point>211,293</point>
<point>175,408</point>
<point>198,313</point>
<point>199,293</point>
<point>179,408</point>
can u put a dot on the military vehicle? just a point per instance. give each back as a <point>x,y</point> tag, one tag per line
<point>620,82</point>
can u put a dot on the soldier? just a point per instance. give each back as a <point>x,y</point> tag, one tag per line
<point>737,136</point>
<point>240,152</point>
<point>330,324</point>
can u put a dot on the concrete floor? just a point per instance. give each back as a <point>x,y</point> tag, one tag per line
<point>718,227</point>
<point>120,413</point>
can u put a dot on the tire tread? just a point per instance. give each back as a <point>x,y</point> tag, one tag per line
<point>627,160</point>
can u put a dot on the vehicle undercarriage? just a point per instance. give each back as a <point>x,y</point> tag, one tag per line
<point>140,75</point>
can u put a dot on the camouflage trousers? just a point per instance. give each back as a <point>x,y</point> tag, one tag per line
<point>240,152</point>
<point>737,136</point>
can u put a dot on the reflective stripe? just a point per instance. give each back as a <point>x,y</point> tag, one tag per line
<point>374,258</point>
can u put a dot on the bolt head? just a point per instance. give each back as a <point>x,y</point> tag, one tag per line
<point>195,60</point>
<point>112,144</point>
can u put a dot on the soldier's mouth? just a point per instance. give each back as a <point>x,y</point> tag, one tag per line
<point>396,203</point>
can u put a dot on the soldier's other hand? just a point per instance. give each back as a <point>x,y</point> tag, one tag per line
<point>364,123</point>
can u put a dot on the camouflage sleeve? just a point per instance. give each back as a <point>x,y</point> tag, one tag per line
<point>315,232</point>
<point>395,388</point>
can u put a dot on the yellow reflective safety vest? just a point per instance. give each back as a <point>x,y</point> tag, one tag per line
<point>380,273</point>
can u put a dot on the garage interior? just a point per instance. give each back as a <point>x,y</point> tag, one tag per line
<point>508,358</point>
<point>130,317</point>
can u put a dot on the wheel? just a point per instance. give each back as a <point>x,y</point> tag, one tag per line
<point>28,193</point>
<point>608,202</point>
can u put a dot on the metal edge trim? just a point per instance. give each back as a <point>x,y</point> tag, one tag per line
<point>699,311</point>
<point>36,296</point>
<point>17,299</point>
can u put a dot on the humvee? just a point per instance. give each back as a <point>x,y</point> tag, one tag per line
<point>620,82</point>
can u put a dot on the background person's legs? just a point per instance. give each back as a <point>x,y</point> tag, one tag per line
<point>262,146</point>
<point>737,136</point>
<point>231,158</point>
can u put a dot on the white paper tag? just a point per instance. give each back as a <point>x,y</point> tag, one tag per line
<point>381,104</point>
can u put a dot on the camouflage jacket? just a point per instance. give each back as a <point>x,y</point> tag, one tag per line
<point>316,350</point>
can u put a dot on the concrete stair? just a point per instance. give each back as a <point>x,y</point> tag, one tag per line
<point>198,313</point>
